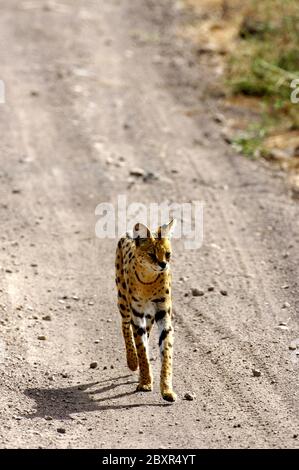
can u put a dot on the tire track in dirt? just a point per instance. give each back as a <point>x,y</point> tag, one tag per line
<point>125,98</point>
<point>244,265</point>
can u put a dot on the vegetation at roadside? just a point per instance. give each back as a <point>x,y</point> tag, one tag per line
<point>263,63</point>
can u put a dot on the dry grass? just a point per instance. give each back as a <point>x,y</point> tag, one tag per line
<point>266,58</point>
<point>259,43</point>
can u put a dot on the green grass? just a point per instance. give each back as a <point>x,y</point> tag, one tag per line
<point>265,62</point>
<point>250,142</point>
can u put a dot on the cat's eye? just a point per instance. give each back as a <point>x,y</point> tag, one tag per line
<point>153,257</point>
<point>168,254</point>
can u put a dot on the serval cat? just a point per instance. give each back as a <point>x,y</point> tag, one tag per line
<point>143,280</point>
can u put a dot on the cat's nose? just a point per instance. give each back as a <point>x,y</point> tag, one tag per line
<point>162,264</point>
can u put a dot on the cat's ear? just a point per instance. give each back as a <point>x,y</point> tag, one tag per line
<point>141,233</point>
<point>166,231</point>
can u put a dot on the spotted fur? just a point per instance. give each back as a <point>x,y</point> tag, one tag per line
<point>143,280</point>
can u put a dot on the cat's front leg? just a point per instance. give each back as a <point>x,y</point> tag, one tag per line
<point>163,319</point>
<point>141,341</point>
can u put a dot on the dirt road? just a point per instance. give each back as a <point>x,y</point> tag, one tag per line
<point>94,89</point>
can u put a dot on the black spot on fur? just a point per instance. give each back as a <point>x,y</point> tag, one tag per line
<point>164,334</point>
<point>134,325</point>
<point>156,301</point>
<point>137,314</point>
<point>160,314</point>
<point>140,331</point>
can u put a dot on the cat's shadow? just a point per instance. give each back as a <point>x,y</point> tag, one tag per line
<point>61,403</point>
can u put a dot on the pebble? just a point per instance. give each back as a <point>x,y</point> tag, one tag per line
<point>286,305</point>
<point>96,341</point>
<point>139,172</point>
<point>197,292</point>
<point>150,176</point>
<point>223,292</point>
<point>282,327</point>
<point>48,418</point>
<point>93,365</point>
<point>42,338</point>
<point>189,396</point>
<point>293,347</point>
<point>75,297</point>
<point>218,117</point>
<point>256,373</point>
<point>61,430</point>
<point>47,318</point>
<point>211,288</point>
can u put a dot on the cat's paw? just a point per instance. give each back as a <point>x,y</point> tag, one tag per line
<point>169,395</point>
<point>144,387</point>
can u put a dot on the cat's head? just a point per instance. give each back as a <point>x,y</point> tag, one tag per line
<point>153,249</point>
